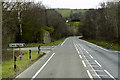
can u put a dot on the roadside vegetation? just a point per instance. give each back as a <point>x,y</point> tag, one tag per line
<point>46,44</point>
<point>108,45</point>
<point>8,66</point>
<point>102,26</point>
<point>27,22</point>
<point>73,28</point>
<point>8,63</point>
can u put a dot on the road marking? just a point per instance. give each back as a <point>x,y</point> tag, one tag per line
<point>88,62</point>
<point>97,70</point>
<point>98,63</point>
<point>77,49</point>
<point>63,42</point>
<point>103,75</point>
<point>43,66</point>
<point>91,56</point>
<point>99,47</point>
<point>80,56</point>
<point>84,63</point>
<point>109,74</point>
<point>87,52</point>
<point>90,75</point>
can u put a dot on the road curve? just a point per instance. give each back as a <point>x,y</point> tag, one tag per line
<point>75,58</point>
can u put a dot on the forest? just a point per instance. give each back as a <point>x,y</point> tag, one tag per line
<point>27,22</point>
<point>102,24</point>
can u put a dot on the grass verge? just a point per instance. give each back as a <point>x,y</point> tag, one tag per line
<point>47,44</point>
<point>108,45</point>
<point>7,66</point>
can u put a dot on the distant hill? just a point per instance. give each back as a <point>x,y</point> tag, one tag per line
<point>66,12</point>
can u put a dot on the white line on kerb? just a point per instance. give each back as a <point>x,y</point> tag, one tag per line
<point>43,66</point>
<point>91,56</point>
<point>98,63</point>
<point>109,74</point>
<point>80,56</point>
<point>84,63</point>
<point>90,75</point>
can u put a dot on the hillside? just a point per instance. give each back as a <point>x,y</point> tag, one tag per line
<point>66,12</point>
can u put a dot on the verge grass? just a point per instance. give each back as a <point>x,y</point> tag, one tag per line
<point>46,44</point>
<point>8,66</point>
<point>108,45</point>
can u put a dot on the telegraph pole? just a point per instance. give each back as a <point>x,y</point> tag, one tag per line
<point>0,39</point>
<point>19,18</point>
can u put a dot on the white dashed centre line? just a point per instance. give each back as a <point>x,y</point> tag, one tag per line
<point>84,63</point>
<point>91,56</point>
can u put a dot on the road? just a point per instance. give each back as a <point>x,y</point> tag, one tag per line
<point>75,58</point>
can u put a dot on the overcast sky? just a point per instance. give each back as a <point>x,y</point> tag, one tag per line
<point>73,4</point>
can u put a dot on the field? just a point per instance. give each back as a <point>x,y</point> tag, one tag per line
<point>66,12</point>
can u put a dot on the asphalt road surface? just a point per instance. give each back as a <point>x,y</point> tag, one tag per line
<point>75,58</point>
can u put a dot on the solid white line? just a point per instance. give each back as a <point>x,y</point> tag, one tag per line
<point>63,42</point>
<point>99,46</point>
<point>43,66</point>
<point>84,63</point>
<point>109,74</point>
<point>98,63</point>
<point>91,56</point>
<point>90,75</point>
<point>80,56</point>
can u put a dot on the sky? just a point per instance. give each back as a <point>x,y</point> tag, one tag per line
<point>72,4</point>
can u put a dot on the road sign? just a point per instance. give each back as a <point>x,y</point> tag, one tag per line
<point>14,45</point>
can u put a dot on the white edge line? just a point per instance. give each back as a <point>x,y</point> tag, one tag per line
<point>43,66</point>
<point>98,63</point>
<point>109,74</point>
<point>63,42</point>
<point>100,47</point>
<point>89,75</point>
<point>84,63</point>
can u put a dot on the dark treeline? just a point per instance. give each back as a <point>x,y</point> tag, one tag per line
<point>27,22</point>
<point>102,23</point>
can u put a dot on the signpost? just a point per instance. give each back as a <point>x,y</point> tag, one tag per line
<point>15,45</point>
<point>30,54</point>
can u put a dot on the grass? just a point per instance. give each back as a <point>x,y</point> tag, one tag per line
<point>7,66</point>
<point>66,12</point>
<point>47,44</point>
<point>108,45</point>
<point>73,24</point>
